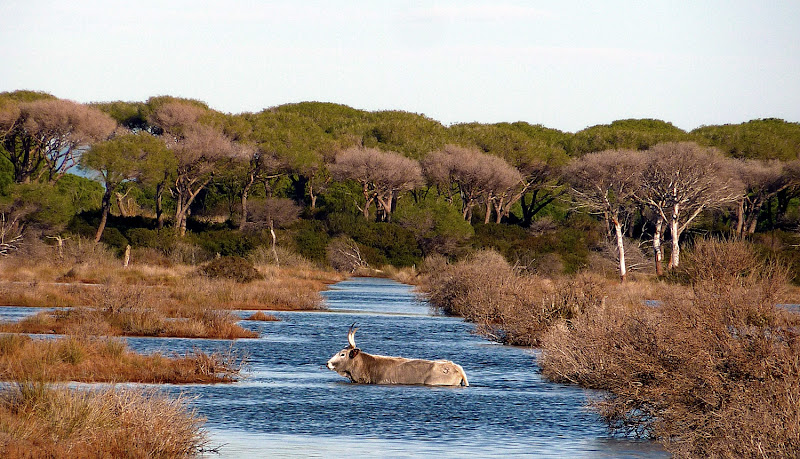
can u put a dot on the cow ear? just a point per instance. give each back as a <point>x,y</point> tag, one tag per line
<point>354,352</point>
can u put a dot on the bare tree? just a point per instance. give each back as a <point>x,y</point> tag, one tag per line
<point>44,138</point>
<point>383,175</point>
<point>198,149</point>
<point>680,180</point>
<point>605,183</point>
<point>11,229</point>
<point>343,254</point>
<point>270,213</point>
<point>504,187</point>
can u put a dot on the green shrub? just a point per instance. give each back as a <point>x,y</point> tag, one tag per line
<point>571,241</point>
<point>163,239</point>
<point>235,268</point>
<point>382,243</point>
<point>310,238</point>
<point>437,225</point>
<point>226,242</point>
<point>114,238</point>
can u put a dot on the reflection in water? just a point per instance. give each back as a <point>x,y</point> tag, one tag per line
<point>290,405</point>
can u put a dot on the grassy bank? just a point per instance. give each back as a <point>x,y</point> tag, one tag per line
<point>41,418</point>
<point>709,366</point>
<point>82,359</point>
<point>38,420</point>
<point>149,300</point>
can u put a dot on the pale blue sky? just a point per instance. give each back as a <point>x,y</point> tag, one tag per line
<point>563,64</point>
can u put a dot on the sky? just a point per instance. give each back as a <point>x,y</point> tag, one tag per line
<point>563,64</point>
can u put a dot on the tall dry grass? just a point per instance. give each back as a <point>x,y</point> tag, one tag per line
<point>125,310</point>
<point>84,359</point>
<point>38,420</point>
<point>711,371</point>
<point>146,299</point>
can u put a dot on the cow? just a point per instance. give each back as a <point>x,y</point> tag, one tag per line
<point>360,367</point>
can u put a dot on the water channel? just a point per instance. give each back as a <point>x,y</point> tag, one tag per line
<point>290,405</point>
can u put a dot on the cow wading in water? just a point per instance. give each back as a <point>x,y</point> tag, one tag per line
<point>360,367</point>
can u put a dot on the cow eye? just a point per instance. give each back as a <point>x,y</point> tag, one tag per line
<point>341,355</point>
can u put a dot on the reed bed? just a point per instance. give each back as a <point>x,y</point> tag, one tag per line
<point>262,317</point>
<point>40,420</point>
<point>86,359</point>
<point>148,300</point>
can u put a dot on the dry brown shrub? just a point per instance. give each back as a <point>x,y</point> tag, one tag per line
<point>43,421</point>
<point>507,305</point>
<point>34,294</point>
<point>262,316</point>
<point>406,275</point>
<point>712,371</point>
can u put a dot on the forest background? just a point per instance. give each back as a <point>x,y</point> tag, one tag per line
<point>180,182</point>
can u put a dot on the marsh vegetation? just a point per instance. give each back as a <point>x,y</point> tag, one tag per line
<point>705,362</point>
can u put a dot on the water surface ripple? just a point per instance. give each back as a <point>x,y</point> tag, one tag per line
<point>290,405</point>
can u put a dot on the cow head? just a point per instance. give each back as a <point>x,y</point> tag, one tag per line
<point>342,360</point>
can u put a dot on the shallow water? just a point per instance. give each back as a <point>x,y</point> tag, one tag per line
<point>290,405</point>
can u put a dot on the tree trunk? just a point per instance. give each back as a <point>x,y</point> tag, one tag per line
<point>623,272</point>
<point>245,192</point>
<point>751,228</point>
<point>182,228</point>
<point>367,201</point>
<point>185,199</point>
<point>527,216</point>
<point>127,258</point>
<point>312,195</point>
<point>274,242</point>
<point>243,218</point>
<point>104,216</point>
<point>122,212</point>
<point>740,218</point>
<point>675,256</point>
<point>179,214</point>
<point>384,205</point>
<point>658,251</point>
<point>159,205</point>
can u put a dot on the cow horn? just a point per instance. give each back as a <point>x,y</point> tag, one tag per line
<point>351,336</point>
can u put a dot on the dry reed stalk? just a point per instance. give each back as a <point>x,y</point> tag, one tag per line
<point>84,359</point>
<point>261,316</point>
<point>37,420</point>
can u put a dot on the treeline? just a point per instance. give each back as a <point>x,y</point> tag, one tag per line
<point>353,188</point>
